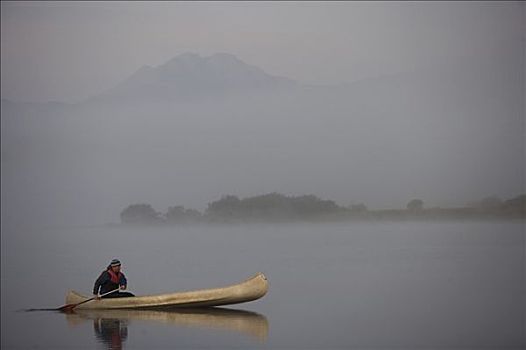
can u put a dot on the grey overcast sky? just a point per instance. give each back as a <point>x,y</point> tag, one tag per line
<point>67,51</point>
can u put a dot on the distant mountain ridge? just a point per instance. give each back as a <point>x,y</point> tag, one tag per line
<point>192,75</point>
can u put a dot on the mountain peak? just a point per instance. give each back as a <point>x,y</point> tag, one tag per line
<point>226,57</point>
<point>194,58</point>
<point>192,74</point>
<point>192,63</point>
<point>186,57</point>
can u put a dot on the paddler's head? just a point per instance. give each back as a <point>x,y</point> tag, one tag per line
<point>115,265</point>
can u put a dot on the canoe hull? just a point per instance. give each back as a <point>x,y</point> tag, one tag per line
<point>249,290</point>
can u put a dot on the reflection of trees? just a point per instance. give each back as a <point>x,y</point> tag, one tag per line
<point>111,332</point>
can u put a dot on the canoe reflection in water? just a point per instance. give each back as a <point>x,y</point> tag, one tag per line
<point>111,326</point>
<point>111,332</point>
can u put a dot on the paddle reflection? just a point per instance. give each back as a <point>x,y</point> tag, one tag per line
<point>111,326</point>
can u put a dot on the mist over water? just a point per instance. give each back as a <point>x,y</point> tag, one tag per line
<point>447,136</point>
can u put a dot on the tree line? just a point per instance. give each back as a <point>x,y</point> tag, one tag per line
<point>276,207</point>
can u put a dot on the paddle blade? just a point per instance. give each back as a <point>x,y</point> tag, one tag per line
<point>67,308</point>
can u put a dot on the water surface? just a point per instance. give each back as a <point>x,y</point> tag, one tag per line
<point>333,285</point>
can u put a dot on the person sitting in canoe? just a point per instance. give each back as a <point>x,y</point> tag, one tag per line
<point>110,279</point>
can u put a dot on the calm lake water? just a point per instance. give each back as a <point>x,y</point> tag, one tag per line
<point>341,285</point>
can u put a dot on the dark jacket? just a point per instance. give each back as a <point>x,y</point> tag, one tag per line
<point>105,284</point>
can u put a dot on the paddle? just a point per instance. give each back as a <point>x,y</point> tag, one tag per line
<point>70,307</point>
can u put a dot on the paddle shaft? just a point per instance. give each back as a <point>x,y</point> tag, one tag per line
<point>85,301</point>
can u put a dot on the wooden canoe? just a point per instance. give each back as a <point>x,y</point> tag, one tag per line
<point>251,289</point>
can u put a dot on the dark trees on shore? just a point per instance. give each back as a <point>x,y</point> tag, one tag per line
<point>415,205</point>
<point>272,206</point>
<point>276,207</point>
<point>140,213</point>
<point>179,214</point>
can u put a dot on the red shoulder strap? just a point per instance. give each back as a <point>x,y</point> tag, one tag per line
<point>114,277</point>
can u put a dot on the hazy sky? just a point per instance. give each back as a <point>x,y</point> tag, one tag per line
<point>68,51</point>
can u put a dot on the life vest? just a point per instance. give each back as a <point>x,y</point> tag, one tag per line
<point>115,277</point>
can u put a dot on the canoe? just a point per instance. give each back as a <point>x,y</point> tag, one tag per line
<point>248,290</point>
<point>222,319</point>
